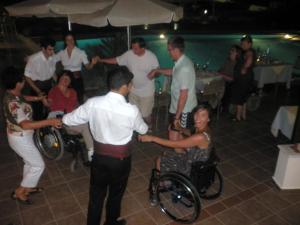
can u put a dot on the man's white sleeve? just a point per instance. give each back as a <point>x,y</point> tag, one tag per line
<point>78,116</point>
<point>139,125</point>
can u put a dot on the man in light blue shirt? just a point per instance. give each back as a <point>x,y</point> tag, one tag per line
<point>183,94</point>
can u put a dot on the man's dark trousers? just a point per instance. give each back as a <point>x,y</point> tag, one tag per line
<point>107,174</point>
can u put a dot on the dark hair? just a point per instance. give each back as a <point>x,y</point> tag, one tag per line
<point>45,42</point>
<point>201,106</point>
<point>238,49</point>
<point>140,41</point>
<point>247,38</point>
<point>69,33</point>
<point>10,76</point>
<point>65,73</point>
<point>176,42</point>
<point>118,77</point>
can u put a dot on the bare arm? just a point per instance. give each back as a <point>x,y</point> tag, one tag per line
<point>93,62</point>
<point>153,73</point>
<point>189,142</point>
<point>33,86</point>
<point>31,125</point>
<point>108,60</point>
<point>248,62</point>
<point>29,98</point>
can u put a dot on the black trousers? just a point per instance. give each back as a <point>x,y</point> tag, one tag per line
<point>107,174</point>
<point>77,84</point>
<point>39,110</point>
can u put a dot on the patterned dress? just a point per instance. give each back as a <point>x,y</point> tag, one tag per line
<point>183,162</point>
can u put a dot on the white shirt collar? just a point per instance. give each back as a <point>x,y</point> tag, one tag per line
<point>116,96</point>
<point>180,59</point>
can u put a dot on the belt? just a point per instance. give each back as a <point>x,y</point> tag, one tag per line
<point>115,151</point>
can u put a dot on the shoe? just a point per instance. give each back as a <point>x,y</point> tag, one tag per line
<point>234,119</point>
<point>90,155</point>
<point>118,222</point>
<point>153,200</point>
<point>36,190</point>
<point>24,202</point>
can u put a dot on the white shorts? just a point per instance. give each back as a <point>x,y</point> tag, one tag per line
<point>144,104</point>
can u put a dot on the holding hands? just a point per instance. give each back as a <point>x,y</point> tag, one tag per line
<point>152,74</point>
<point>54,122</point>
<point>145,138</point>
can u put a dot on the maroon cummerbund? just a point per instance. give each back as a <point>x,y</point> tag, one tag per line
<point>115,151</point>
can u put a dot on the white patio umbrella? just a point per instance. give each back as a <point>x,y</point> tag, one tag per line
<point>129,13</point>
<point>56,8</point>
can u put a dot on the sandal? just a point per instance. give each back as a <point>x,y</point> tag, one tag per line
<point>22,201</point>
<point>36,190</point>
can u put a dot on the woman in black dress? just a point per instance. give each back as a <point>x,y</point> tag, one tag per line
<point>243,78</point>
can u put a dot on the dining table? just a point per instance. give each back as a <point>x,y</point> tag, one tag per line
<point>284,121</point>
<point>270,73</point>
<point>204,78</point>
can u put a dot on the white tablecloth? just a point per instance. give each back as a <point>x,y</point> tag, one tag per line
<point>269,74</point>
<point>204,78</point>
<point>285,121</point>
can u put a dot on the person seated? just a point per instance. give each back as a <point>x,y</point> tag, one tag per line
<point>63,99</point>
<point>197,145</point>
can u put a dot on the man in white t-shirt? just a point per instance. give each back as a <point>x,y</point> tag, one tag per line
<point>140,62</point>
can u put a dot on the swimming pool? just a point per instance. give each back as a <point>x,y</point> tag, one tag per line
<point>212,49</point>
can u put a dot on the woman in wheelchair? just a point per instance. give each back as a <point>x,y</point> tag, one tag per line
<point>184,176</point>
<point>63,99</point>
<point>195,147</point>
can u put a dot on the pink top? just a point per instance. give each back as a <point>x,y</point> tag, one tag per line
<point>59,102</point>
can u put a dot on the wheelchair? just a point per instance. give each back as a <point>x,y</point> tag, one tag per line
<point>178,196</point>
<point>52,143</point>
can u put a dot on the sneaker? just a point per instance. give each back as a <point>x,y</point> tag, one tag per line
<point>118,222</point>
<point>153,200</point>
<point>90,155</point>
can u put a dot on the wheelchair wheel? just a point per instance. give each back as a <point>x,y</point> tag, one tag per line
<point>178,198</point>
<point>214,188</point>
<point>49,142</point>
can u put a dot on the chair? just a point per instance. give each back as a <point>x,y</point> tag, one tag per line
<point>162,100</point>
<point>179,196</point>
<point>213,93</point>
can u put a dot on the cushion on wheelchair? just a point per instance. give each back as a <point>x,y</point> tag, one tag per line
<point>203,173</point>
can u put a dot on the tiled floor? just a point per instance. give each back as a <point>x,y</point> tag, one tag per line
<point>248,153</point>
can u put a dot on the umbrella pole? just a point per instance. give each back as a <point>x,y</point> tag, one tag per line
<point>128,37</point>
<point>69,24</point>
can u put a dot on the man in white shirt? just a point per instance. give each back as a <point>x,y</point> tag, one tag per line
<point>140,61</point>
<point>39,71</point>
<point>112,121</point>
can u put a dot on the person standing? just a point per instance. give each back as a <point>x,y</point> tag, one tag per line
<point>183,93</point>
<point>227,70</point>
<point>20,129</point>
<point>243,78</point>
<point>112,121</point>
<point>39,72</point>
<point>72,59</point>
<point>140,61</point>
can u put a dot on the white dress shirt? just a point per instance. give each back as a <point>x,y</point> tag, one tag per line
<point>112,120</point>
<point>73,63</point>
<point>39,67</point>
